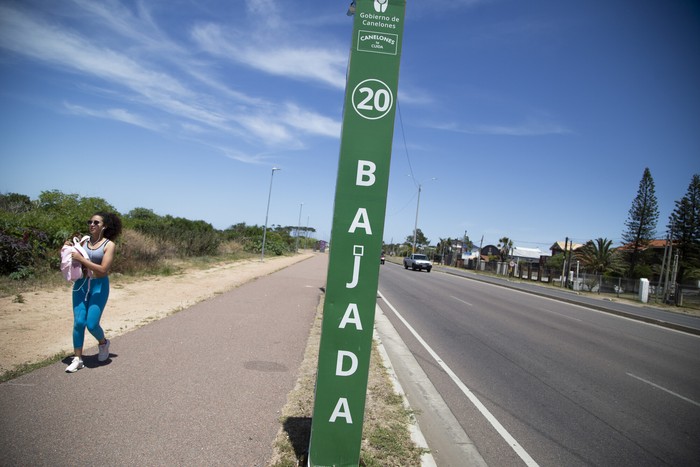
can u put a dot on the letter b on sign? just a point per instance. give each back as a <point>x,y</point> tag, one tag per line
<point>365,173</point>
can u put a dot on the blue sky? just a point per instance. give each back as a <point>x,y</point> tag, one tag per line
<point>536,118</point>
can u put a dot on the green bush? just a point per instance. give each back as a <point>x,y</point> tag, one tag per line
<point>33,232</point>
<point>191,238</point>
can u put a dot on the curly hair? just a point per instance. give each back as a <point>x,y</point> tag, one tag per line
<point>112,223</point>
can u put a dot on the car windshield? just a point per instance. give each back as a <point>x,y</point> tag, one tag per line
<point>420,257</point>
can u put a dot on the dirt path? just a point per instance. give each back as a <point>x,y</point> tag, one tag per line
<point>41,326</point>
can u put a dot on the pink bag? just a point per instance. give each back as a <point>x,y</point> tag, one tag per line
<point>73,270</point>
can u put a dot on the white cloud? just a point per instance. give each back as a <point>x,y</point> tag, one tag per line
<point>311,122</point>
<point>528,128</point>
<point>120,115</point>
<point>304,63</point>
<point>163,77</point>
<point>438,7</point>
<point>265,11</point>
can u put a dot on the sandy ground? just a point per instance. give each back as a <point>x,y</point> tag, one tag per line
<point>41,327</point>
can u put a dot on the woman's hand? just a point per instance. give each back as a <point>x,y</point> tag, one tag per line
<point>76,256</point>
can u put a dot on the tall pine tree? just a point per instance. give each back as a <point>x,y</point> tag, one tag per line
<point>684,222</point>
<point>641,220</point>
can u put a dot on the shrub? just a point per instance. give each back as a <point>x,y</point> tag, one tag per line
<point>191,238</point>
<point>231,248</point>
<point>137,252</point>
<point>22,251</point>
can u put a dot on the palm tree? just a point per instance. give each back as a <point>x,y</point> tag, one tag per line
<point>505,244</point>
<point>598,256</point>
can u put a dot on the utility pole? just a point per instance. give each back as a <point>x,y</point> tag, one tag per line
<point>673,280</point>
<point>663,266</point>
<point>478,261</point>
<point>415,226</point>
<point>668,271</point>
<point>563,270</point>
<point>296,245</point>
<point>568,261</point>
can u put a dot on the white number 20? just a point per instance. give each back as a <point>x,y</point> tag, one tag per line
<point>381,99</point>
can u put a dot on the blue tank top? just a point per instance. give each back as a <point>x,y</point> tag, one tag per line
<point>97,254</point>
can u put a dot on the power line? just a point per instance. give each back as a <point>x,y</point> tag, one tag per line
<point>404,206</point>
<point>403,135</point>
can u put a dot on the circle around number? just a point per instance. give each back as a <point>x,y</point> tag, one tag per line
<point>380,99</point>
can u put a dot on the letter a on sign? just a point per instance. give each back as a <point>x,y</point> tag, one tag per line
<point>358,228</point>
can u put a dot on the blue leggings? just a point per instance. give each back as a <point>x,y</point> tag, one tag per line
<point>88,306</point>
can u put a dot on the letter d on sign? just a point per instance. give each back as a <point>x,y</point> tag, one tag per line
<point>339,365</point>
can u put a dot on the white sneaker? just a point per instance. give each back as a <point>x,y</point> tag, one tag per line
<point>103,353</point>
<point>75,365</point>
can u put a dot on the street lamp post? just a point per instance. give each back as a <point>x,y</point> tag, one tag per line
<point>415,225</point>
<point>267,212</point>
<point>296,246</point>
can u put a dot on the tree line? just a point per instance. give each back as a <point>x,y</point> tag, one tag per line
<point>33,231</point>
<point>634,258</point>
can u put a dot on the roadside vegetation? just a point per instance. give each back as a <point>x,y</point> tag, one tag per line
<point>32,233</point>
<point>642,254</point>
<point>386,440</point>
<point>669,260</point>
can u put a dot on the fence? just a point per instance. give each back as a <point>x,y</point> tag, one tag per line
<point>619,287</point>
<point>688,296</point>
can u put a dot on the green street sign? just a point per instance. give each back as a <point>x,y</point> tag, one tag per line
<point>356,237</point>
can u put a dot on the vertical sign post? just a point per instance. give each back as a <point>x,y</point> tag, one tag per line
<point>356,237</point>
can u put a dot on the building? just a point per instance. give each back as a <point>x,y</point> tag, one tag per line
<point>528,255</point>
<point>558,247</point>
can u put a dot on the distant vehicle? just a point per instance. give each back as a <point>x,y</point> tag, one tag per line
<point>417,262</point>
<point>381,259</point>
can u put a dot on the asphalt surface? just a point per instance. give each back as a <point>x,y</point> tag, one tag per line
<point>574,387</point>
<point>638,311</point>
<point>204,386</point>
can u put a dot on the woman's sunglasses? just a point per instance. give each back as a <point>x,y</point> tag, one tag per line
<point>93,223</point>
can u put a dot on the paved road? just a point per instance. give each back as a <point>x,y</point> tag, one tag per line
<point>643,312</point>
<point>202,387</point>
<point>571,385</point>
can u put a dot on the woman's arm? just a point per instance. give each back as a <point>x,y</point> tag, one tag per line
<point>100,269</point>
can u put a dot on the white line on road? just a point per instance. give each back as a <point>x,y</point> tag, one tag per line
<point>519,450</point>
<point>460,300</point>
<point>561,314</point>
<point>663,389</point>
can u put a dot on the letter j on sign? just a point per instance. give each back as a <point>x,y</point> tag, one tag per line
<point>356,236</point>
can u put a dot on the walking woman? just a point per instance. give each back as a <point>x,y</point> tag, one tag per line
<point>90,293</point>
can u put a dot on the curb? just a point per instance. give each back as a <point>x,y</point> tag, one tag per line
<point>645,319</point>
<point>427,459</point>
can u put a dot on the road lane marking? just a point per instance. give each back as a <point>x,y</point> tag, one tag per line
<point>460,300</point>
<point>519,450</point>
<point>663,389</point>
<point>561,314</point>
<point>583,306</point>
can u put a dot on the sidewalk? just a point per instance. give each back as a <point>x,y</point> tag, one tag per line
<point>201,387</point>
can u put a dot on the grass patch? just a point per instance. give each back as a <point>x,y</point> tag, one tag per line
<point>386,440</point>
<point>126,270</point>
<point>39,281</point>
<point>29,367</point>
